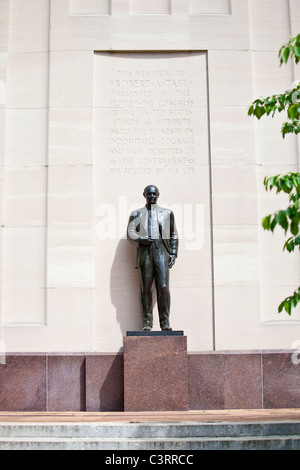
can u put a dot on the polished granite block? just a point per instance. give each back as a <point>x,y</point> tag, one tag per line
<point>155,373</point>
<point>23,383</point>
<point>281,380</point>
<point>225,381</point>
<point>206,381</point>
<point>104,382</point>
<point>242,382</point>
<point>66,382</point>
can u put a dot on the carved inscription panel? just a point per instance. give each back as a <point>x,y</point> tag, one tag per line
<point>153,113</point>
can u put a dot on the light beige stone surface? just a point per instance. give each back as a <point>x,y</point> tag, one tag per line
<point>28,25</point>
<point>27,80</point>
<point>24,261</point>
<point>26,143</point>
<point>99,98</point>
<point>25,196</point>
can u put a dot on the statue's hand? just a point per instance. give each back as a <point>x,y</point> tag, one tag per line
<point>172,261</point>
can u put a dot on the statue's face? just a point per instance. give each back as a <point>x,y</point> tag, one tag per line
<point>151,195</point>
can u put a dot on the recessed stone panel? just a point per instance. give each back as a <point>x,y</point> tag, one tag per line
<point>90,7</point>
<point>213,7</point>
<point>155,7</point>
<point>150,127</point>
<point>66,383</point>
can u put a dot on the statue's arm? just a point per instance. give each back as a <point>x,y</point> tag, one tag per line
<point>174,241</point>
<point>132,229</point>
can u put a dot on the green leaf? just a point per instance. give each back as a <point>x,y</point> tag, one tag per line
<point>289,244</point>
<point>288,306</point>
<point>296,181</point>
<point>281,306</point>
<point>250,110</point>
<point>273,181</point>
<point>260,111</point>
<point>273,224</point>
<point>281,219</point>
<point>266,222</point>
<point>290,302</point>
<point>285,54</point>
<point>294,227</point>
<point>293,112</point>
<point>296,50</point>
<point>294,301</point>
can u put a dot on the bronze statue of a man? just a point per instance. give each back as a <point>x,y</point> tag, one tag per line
<point>152,229</point>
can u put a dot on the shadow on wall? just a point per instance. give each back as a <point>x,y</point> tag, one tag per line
<point>112,389</point>
<point>124,288</point>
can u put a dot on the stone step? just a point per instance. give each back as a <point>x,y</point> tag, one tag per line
<point>152,443</point>
<point>283,435</point>
<point>145,430</point>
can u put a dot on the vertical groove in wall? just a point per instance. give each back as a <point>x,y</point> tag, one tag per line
<point>47,383</point>
<point>262,379</point>
<point>211,209</point>
<point>47,168</point>
<point>93,203</point>
<point>2,201</point>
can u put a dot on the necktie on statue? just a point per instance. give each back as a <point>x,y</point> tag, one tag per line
<point>149,224</point>
<point>153,227</point>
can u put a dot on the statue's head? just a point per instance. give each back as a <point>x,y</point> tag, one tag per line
<point>151,193</point>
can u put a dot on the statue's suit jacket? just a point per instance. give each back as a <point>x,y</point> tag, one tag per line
<point>137,230</point>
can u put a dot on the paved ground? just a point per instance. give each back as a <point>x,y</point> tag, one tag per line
<point>201,416</point>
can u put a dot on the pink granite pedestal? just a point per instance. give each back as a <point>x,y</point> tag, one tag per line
<point>155,373</point>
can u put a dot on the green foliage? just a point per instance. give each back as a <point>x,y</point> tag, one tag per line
<point>290,302</point>
<point>288,219</point>
<point>290,50</point>
<point>288,101</point>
